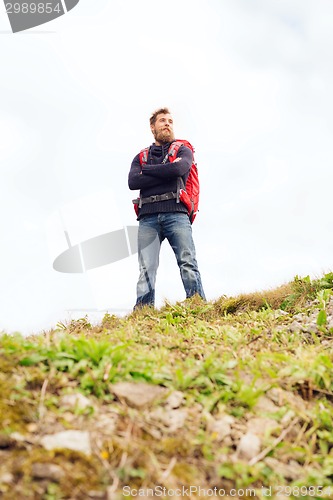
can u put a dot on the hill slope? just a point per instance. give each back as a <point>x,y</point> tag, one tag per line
<point>232,398</point>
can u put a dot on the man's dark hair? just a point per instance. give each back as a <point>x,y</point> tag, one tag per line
<point>161,111</point>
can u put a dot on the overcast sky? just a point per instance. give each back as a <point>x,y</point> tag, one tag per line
<point>249,84</point>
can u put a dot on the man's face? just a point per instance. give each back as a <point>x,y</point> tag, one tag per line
<point>163,129</point>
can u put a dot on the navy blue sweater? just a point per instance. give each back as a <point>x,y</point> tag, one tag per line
<point>158,178</point>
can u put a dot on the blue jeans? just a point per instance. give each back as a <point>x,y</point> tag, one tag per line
<point>177,229</point>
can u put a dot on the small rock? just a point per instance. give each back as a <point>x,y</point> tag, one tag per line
<point>6,478</point>
<point>22,440</point>
<point>32,427</point>
<point>261,426</point>
<point>112,495</point>
<point>18,437</point>
<point>228,441</point>
<point>293,470</point>
<point>71,440</point>
<point>76,401</point>
<point>265,405</point>
<point>221,428</point>
<point>312,328</point>
<point>69,416</point>
<point>96,494</point>
<point>47,471</point>
<point>106,423</point>
<point>175,400</point>
<point>295,327</point>
<point>300,317</point>
<point>6,441</point>
<point>137,394</point>
<point>281,312</point>
<point>248,446</point>
<point>172,419</point>
<point>277,395</point>
<point>238,430</point>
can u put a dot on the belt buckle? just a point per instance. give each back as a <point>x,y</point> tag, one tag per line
<point>153,198</point>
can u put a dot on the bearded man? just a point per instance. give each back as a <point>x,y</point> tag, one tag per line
<point>161,214</point>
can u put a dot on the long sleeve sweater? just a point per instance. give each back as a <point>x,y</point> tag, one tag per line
<point>156,177</point>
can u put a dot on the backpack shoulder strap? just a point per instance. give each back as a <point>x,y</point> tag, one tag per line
<point>172,153</point>
<point>143,156</point>
<point>174,147</point>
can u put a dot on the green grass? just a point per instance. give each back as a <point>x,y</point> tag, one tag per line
<point>263,359</point>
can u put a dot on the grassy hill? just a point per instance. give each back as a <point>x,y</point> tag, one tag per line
<point>232,398</point>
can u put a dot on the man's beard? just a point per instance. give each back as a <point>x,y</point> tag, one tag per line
<point>164,135</point>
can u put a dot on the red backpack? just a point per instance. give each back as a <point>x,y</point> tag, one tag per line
<point>189,194</point>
